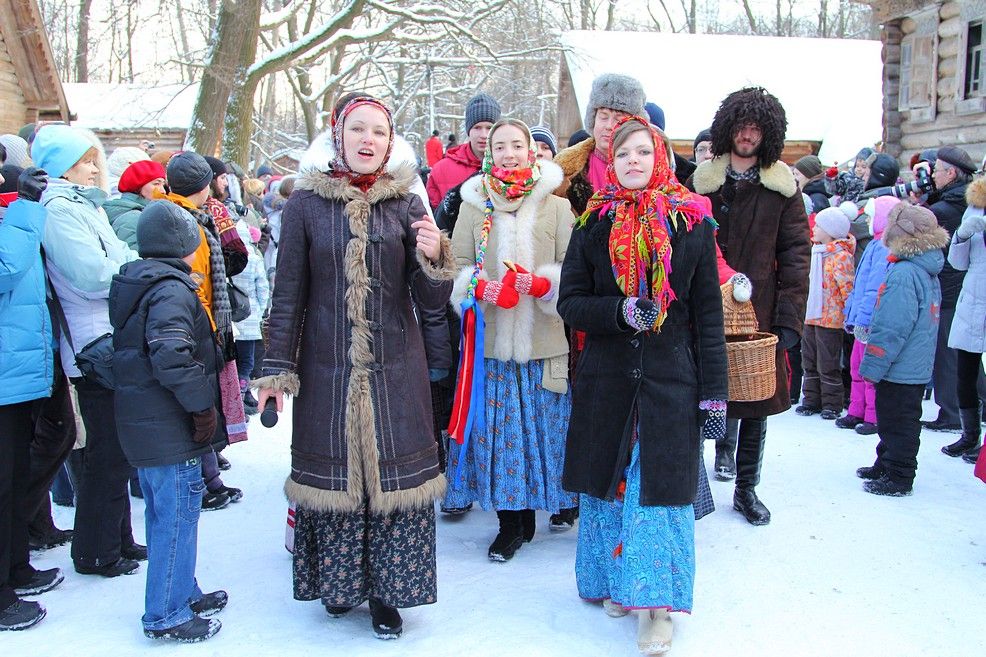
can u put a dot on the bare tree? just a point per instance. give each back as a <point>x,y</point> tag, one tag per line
<point>82,43</point>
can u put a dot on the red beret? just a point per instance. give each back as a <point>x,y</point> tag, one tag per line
<point>139,174</point>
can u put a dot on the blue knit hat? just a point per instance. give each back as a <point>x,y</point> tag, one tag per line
<point>58,148</point>
<point>481,107</point>
<point>655,114</point>
<point>543,134</point>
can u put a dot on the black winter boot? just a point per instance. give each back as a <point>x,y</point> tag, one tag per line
<point>725,467</point>
<point>749,458</point>
<point>387,622</point>
<point>510,538</point>
<point>971,456</point>
<point>528,521</point>
<point>971,430</point>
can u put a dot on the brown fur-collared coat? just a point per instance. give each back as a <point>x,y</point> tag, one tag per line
<point>343,336</point>
<point>763,232</point>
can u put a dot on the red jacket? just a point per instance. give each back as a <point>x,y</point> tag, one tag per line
<point>434,150</point>
<point>458,164</point>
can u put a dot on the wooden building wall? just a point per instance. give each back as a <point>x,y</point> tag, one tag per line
<point>13,109</point>
<point>924,53</point>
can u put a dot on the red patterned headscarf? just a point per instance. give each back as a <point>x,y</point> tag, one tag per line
<point>640,239</point>
<point>339,167</point>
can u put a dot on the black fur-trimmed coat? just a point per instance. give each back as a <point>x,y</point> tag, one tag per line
<point>344,337</point>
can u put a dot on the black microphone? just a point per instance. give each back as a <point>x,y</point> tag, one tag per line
<point>269,417</point>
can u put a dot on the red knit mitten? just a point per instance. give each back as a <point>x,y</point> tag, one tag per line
<point>496,292</point>
<point>527,283</point>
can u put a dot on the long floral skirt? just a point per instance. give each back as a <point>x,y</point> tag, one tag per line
<point>517,462</point>
<point>343,559</point>
<point>642,557</point>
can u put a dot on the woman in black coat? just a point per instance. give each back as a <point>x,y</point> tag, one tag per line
<point>640,279</point>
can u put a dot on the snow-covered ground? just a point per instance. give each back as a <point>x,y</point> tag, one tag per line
<point>837,573</point>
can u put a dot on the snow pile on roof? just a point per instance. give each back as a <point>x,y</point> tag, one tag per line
<point>102,106</point>
<point>831,89</point>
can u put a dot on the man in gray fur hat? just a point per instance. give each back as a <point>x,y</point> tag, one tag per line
<point>613,97</point>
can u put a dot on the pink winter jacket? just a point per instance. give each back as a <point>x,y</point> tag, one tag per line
<point>458,164</point>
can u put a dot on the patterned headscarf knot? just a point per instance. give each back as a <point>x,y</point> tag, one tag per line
<point>511,184</point>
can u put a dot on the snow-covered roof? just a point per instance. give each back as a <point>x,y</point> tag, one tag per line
<point>102,106</point>
<point>831,89</point>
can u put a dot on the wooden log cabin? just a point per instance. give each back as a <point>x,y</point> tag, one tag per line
<point>934,79</point>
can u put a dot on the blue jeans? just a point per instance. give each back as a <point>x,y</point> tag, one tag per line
<point>173,500</point>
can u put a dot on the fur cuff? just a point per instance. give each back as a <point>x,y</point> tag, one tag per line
<point>444,269</point>
<point>460,286</point>
<point>287,382</point>
<point>549,303</point>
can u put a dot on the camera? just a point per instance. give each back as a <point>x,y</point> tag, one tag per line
<point>922,184</point>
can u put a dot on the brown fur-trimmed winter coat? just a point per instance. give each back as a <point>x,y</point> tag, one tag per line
<point>344,337</point>
<point>763,232</point>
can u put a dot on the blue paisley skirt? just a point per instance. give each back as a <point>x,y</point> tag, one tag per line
<point>517,462</point>
<point>642,557</point>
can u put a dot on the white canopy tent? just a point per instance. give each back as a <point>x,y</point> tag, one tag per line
<point>831,89</point>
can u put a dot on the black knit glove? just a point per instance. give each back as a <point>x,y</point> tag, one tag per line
<point>639,314</point>
<point>714,425</point>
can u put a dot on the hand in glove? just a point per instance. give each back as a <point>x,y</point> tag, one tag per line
<point>527,283</point>
<point>971,224</point>
<point>714,425</point>
<point>497,293</point>
<point>639,314</point>
<point>861,333</point>
<point>31,184</point>
<point>742,287</point>
<point>205,425</point>
<point>786,338</point>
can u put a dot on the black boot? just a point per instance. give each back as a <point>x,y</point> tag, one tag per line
<point>510,538</point>
<point>971,430</point>
<point>387,622</point>
<point>749,458</point>
<point>725,468</point>
<point>971,456</point>
<point>529,522</point>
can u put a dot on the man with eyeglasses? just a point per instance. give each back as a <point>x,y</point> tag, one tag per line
<point>763,232</point>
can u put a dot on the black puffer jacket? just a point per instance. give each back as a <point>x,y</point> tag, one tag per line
<point>815,189</point>
<point>949,209</point>
<point>165,362</point>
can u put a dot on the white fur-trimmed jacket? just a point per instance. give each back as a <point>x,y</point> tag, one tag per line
<point>535,237</point>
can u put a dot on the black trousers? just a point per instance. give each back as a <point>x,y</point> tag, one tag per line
<point>795,365</point>
<point>969,377</point>
<point>102,512</point>
<point>821,350</point>
<point>15,471</point>
<point>900,439</point>
<point>54,436</point>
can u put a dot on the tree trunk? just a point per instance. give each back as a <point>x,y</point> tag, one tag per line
<point>235,47</point>
<point>750,17</point>
<point>82,43</point>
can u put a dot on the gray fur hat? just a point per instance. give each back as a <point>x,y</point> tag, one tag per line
<point>614,91</point>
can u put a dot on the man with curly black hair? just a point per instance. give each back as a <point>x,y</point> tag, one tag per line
<point>763,231</point>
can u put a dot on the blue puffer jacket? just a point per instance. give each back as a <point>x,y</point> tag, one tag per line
<point>904,327</point>
<point>26,359</point>
<point>870,274</point>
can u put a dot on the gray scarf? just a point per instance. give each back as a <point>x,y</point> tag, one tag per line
<point>222,313</point>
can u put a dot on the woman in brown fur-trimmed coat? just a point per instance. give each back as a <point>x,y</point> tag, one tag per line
<point>356,250</point>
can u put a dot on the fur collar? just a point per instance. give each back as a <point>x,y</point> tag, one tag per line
<point>574,158</point>
<point>903,245</point>
<point>551,176</point>
<point>392,184</point>
<point>710,176</point>
<point>975,193</point>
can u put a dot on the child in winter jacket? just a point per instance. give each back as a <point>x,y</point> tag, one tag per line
<point>830,284</point>
<point>870,274</point>
<point>249,341</point>
<point>166,364</point>
<point>900,352</point>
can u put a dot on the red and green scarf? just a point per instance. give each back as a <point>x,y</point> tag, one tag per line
<point>640,239</point>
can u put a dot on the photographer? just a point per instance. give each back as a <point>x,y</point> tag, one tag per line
<point>952,173</point>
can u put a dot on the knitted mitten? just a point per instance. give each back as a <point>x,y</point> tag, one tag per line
<point>495,292</point>
<point>714,427</point>
<point>527,283</point>
<point>639,314</point>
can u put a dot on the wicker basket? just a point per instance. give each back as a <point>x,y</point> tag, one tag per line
<point>752,366</point>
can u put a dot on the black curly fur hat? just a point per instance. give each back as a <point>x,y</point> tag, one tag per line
<point>751,105</point>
